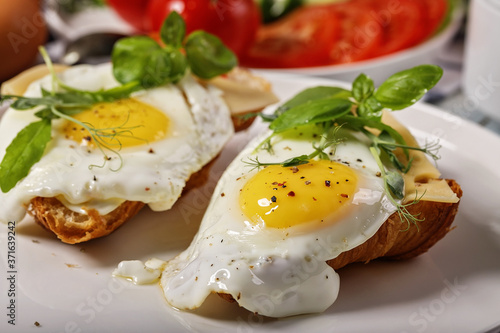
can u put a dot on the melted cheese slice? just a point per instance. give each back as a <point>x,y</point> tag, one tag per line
<point>422,180</point>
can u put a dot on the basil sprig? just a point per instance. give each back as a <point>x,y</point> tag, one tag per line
<point>360,110</point>
<point>139,62</point>
<point>140,58</point>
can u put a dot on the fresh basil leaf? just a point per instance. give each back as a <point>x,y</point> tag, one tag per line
<point>26,103</point>
<point>46,113</point>
<point>173,30</point>
<point>25,150</point>
<point>294,161</point>
<point>141,59</point>
<point>396,184</point>
<point>309,94</point>
<point>362,87</point>
<point>116,93</point>
<point>407,87</point>
<point>207,56</point>
<point>178,65</point>
<point>311,112</point>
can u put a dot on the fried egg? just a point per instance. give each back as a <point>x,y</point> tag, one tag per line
<point>166,134</point>
<point>268,232</point>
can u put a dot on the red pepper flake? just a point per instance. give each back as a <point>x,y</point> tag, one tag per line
<point>274,183</point>
<point>273,198</point>
<point>222,194</point>
<point>343,195</point>
<point>151,151</point>
<point>282,184</point>
<point>147,188</point>
<point>327,183</point>
<point>291,194</point>
<point>294,169</point>
<point>315,199</point>
<point>308,182</point>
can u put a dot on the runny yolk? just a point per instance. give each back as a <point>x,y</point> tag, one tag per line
<point>127,122</point>
<point>282,197</point>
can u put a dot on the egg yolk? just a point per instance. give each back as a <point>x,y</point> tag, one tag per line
<point>282,197</point>
<point>127,122</point>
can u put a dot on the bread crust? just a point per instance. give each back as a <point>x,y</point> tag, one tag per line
<point>72,227</point>
<point>392,241</point>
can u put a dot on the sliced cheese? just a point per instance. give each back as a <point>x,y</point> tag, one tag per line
<point>422,180</point>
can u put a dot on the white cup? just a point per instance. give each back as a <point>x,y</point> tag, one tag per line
<point>481,76</point>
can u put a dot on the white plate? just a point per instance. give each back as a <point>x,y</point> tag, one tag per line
<point>452,288</point>
<point>380,68</point>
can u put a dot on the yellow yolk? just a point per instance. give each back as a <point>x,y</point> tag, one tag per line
<point>282,197</point>
<point>126,122</point>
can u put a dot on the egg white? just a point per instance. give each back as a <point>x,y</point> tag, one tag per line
<point>200,125</point>
<point>275,272</point>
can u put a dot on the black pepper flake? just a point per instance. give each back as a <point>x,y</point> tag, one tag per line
<point>378,174</point>
<point>327,183</point>
<point>307,182</point>
<point>359,160</point>
<point>302,177</point>
<point>221,240</point>
<point>291,194</point>
<point>274,183</point>
<point>151,151</point>
<point>347,180</point>
<point>95,178</point>
<point>37,324</point>
<point>273,198</point>
<point>275,188</point>
<point>88,138</point>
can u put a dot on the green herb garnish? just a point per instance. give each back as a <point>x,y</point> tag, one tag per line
<point>139,63</point>
<point>359,110</point>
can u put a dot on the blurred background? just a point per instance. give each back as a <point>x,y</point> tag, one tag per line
<point>335,39</point>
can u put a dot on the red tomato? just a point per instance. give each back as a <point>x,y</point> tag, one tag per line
<point>235,22</point>
<point>402,25</point>
<point>132,11</point>
<point>435,11</point>
<point>303,38</point>
<point>361,34</point>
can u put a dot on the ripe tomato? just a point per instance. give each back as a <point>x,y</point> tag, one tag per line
<point>435,12</point>
<point>361,34</point>
<point>235,22</point>
<point>132,11</point>
<point>303,38</point>
<point>403,27</point>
